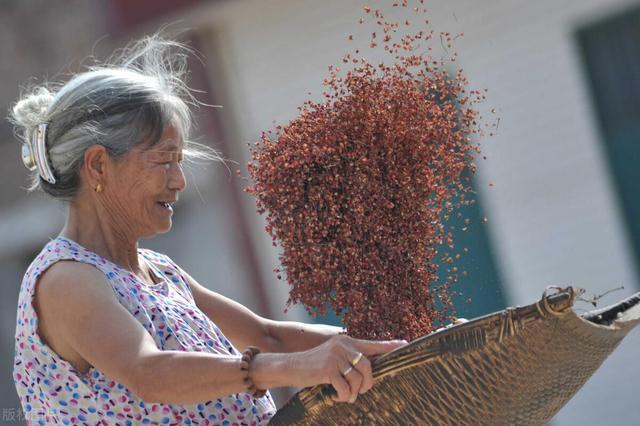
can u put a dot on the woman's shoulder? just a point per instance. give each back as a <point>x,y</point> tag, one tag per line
<point>67,276</point>
<point>62,273</point>
<point>53,251</point>
<point>61,248</point>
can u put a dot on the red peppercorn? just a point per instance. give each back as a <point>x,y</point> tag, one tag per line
<point>356,188</point>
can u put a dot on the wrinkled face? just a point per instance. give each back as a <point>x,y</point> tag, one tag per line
<point>144,185</point>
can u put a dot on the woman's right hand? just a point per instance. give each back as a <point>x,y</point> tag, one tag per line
<point>342,362</point>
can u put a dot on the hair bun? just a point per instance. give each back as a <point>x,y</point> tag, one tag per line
<point>32,109</point>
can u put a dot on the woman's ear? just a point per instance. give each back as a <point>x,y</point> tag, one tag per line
<point>96,159</point>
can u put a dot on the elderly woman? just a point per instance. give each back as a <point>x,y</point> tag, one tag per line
<point>109,333</point>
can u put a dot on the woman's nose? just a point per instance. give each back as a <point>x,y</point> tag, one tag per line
<point>177,180</point>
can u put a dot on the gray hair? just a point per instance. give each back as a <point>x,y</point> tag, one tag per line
<point>126,101</point>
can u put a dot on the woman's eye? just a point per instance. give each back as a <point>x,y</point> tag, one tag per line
<point>167,164</point>
<point>168,160</point>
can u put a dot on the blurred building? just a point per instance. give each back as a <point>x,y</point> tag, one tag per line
<point>558,187</point>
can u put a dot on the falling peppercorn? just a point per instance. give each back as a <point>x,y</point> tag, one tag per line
<point>356,188</point>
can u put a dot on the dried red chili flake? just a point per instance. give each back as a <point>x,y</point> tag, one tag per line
<point>356,188</point>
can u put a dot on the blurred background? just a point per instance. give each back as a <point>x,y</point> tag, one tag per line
<point>559,187</point>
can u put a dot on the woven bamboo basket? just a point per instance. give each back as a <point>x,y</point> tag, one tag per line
<point>517,366</point>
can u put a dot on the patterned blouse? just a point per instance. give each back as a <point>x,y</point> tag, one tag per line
<point>53,392</point>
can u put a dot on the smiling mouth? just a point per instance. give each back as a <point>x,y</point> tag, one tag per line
<point>165,205</point>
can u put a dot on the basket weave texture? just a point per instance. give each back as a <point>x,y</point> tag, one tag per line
<point>517,366</point>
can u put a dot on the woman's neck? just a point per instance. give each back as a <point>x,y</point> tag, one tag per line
<point>94,230</point>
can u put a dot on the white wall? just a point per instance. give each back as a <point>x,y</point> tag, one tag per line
<point>553,214</point>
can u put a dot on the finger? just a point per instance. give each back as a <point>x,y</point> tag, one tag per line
<point>372,347</point>
<point>364,368</point>
<point>354,378</point>
<point>342,387</point>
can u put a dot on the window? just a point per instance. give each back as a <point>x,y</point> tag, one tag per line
<point>611,53</point>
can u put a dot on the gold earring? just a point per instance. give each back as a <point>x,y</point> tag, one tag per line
<point>98,188</point>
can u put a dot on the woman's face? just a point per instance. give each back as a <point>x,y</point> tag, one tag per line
<point>144,185</point>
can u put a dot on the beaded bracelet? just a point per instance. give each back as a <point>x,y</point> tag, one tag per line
<point>247,356</point>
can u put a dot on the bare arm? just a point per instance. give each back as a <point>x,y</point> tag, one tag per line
<point>243,327</point>
<point>82,308</point>
<point>293,336</point>
<point>84,312</point>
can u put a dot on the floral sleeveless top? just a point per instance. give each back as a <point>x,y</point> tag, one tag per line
<point>53,392</point>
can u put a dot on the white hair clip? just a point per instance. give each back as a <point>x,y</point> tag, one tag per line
<point>34,155</point>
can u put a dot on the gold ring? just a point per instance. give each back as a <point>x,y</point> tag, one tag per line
<point>347,371</point>
<point>357,359</point>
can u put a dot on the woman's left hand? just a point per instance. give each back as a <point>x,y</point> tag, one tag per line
<point>342,362</point>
